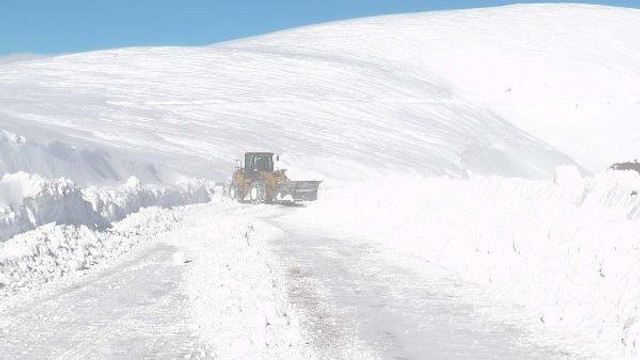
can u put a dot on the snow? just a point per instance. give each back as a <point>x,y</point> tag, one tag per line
<point>237,296</point>
<point>525,89</point>
<point>4,59</point>
<point>189,281</point>
<point>52,159</point>
<point>475,139</point>
<point>51,252</point>
<point>566,248</point>
<point>566,73</point>
<point>116,202</point>
<point>341,101</point>
<point>331,95</point>
<point>28,201</point>
<point>367,301</point>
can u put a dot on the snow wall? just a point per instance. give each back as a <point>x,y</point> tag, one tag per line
<point>567,248</point>
<point>28,201</point>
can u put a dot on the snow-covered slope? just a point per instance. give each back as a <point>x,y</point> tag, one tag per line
<point>568,74</point>
<point>84,165</point>
<point>432,93</point>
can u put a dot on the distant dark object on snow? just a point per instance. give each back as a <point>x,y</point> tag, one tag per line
<point>635,165</point>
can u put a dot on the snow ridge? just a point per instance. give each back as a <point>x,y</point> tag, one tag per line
<point>51,252</point>
<point>237,296</point>
<point>236,302</point>
<point>29,201</point>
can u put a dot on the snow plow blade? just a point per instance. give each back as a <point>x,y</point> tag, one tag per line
<point>292,191</point>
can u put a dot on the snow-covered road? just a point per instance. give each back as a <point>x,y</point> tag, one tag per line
<point>200,288</point>
<point>357,300</point>
<point>206,288</point>
<point>132,310</point>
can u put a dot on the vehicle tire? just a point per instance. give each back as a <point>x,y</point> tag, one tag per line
<point>258,192</point>
<point>233,192</point>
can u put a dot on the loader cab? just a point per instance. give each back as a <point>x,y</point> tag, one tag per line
<point>258,161</point>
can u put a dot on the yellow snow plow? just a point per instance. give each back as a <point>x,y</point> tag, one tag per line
<point>258,182</point>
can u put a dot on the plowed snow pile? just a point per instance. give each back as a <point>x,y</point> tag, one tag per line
<point>433,132</point>
<point>233,298</point>
<point>567,248</point>
<point>28,201</point>
<point>66,220</point>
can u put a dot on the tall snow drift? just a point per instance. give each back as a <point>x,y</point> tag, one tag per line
<point>30,201</point>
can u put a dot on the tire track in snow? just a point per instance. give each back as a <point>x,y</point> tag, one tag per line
<point>359,301</point>
<point>203,287</point>
<point>133,311</point>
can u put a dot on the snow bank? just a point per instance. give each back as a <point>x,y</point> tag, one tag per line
<point>116,202</point>
<point>28,201</point>
<point>238,300</point>
<point>50,252</point>
<point>567,248</point>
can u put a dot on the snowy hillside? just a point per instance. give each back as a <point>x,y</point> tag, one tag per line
<point>83,165</point>
<point>450,92</point>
